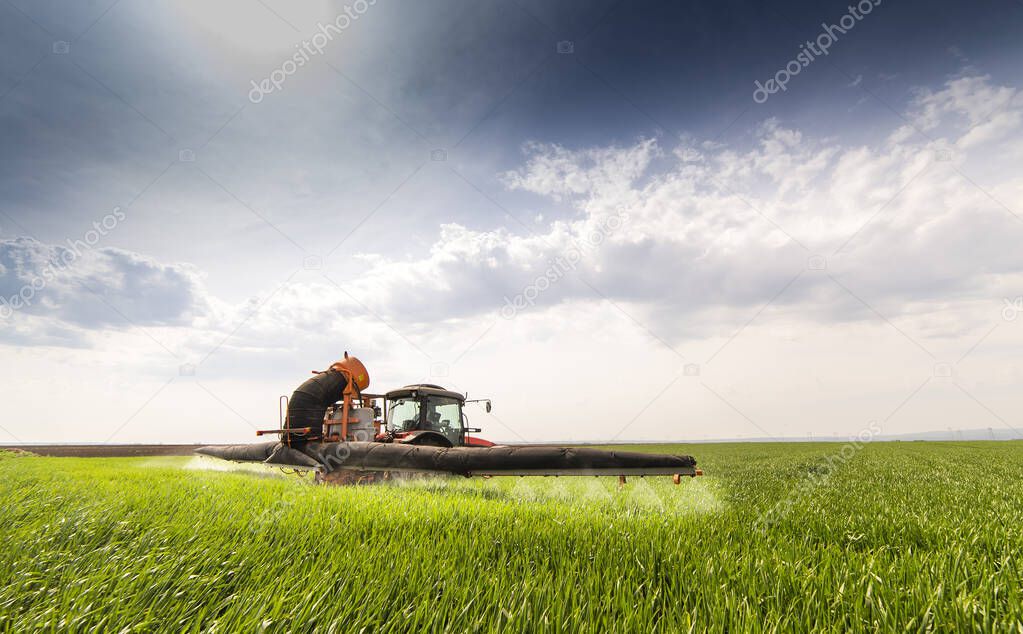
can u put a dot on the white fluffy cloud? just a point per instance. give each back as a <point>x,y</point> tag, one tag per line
<point>973,99</point>
<point>714,228</point>
<point>557,172</point>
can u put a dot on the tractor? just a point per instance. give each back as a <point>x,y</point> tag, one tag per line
<point>429,415</point>
<point>420,429</point>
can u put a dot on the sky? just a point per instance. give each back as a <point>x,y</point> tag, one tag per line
<point>618,220</point>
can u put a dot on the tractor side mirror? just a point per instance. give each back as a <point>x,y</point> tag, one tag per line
<point>489,407</point>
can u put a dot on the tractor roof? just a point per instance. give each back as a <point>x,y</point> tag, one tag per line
<point>423,389</point>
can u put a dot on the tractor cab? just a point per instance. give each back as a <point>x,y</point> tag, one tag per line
<point>428,414</point>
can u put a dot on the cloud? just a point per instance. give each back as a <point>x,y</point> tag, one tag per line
<point>55,292</point>
<point>551,170</point>
<point>709,234</point>
<point>728,228</point>
<point>971,99</point>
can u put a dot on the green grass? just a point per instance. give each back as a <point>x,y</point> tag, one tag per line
<point>903,536</point>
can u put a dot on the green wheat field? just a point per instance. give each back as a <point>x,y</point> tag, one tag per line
<point>775,537</point>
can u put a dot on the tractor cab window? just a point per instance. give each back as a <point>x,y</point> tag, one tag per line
<point>403,415</point>
<point>444,415</point>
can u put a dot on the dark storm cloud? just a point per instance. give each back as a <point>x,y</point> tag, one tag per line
<point>346,147</point>
<point>99,288</point>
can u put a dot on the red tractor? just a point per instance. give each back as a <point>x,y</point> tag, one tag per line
<point>429,415</point>
<point>419,429</point>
